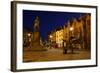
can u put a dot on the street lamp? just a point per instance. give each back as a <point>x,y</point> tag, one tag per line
<point>51,36</point>
<point>29,34</point>
<point>71,28</point>
<point>29,38</point>
<point>51,40</point>
<point>71,31</point>
<point>71,36</point>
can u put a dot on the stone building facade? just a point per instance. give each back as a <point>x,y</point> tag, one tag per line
<point>77,29</point>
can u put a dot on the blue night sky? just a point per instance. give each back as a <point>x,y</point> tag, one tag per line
<point>49,20</point>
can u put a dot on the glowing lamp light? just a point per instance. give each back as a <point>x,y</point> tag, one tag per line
<point>29,34</point>
<point>51,36</point>
<point>71,28</point>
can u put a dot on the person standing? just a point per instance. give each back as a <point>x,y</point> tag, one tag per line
<point>64,47</point>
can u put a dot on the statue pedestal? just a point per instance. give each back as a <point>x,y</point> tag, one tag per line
<point>35,45</point>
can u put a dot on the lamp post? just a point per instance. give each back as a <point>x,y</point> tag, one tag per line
<point>29,37</point>
<point>71,36</point>
<point>51,40</point>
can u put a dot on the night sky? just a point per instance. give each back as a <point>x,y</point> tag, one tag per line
<point>49,20</point>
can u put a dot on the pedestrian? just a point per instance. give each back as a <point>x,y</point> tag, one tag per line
<point>64,47</point>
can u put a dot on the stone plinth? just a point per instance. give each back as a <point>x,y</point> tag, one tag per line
<point>35,44</point>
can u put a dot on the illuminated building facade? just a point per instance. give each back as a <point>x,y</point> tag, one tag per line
<point>78,30</point>
<point>59,37</point>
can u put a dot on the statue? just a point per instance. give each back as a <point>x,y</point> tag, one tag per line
<point>36,24</point>
<point>35,44</point>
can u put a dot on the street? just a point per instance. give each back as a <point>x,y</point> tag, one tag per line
<point>54,55</point>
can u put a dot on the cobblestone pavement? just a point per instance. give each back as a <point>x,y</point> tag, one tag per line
<point>54,55</point>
